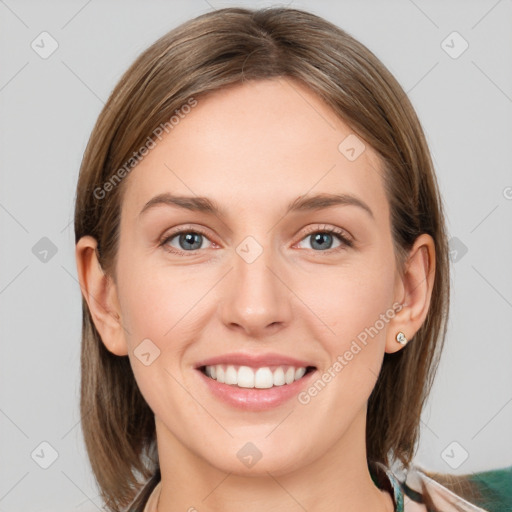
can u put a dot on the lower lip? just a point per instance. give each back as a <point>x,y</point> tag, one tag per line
<point>255,399</point>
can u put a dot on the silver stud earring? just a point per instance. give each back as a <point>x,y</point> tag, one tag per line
<point>400,337</point>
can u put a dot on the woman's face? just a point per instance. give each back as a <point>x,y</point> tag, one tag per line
<point>260,283</point>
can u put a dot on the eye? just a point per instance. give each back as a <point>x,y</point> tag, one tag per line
<point>184,240</point>
<point>321,239</point>
<point>187,240</point>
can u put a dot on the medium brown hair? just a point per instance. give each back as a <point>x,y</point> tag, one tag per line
<point>217,49</point>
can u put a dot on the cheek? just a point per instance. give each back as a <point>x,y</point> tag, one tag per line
<point>350,298</point>
<point>354,301</point>
<point>160,301</point>
<point>161,305</point>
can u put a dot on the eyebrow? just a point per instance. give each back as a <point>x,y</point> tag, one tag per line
<point>302,203</point>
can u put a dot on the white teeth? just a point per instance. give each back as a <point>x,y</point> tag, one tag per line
<point>261,378</point>
<point>219,371</point>
<point>299,373</point>
<point>278,377</point>
<point>231,375</point>
<point>245,377</point>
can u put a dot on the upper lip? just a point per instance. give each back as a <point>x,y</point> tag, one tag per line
<point>253,360</point>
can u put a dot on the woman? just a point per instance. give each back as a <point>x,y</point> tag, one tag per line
<point>261,247</point>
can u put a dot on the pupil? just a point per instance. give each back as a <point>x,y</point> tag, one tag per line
<point>189,239</point>
<point>320,237</point>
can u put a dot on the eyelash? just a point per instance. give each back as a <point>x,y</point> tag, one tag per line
<point>340,234</point>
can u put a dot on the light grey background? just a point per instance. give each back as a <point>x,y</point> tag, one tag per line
<point>48,107</point>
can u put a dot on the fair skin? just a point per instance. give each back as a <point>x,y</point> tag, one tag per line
<point>253,149</point>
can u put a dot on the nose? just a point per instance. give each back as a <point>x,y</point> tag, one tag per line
<point>256,298</point>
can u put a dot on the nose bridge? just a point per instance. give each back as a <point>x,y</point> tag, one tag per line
<point>256,298</point>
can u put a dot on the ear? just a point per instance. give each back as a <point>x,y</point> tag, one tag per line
<point>99,290</point>
<point>413,291</point>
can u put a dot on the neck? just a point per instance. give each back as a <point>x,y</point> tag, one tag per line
<point>336,481</point>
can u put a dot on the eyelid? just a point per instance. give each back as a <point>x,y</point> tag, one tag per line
<point>327,228</point>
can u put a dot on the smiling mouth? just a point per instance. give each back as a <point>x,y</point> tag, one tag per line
<point>259,378</point>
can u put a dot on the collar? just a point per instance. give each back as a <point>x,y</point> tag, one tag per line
<point>384,479</point>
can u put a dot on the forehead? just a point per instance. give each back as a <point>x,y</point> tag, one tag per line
<point>260,144</point>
